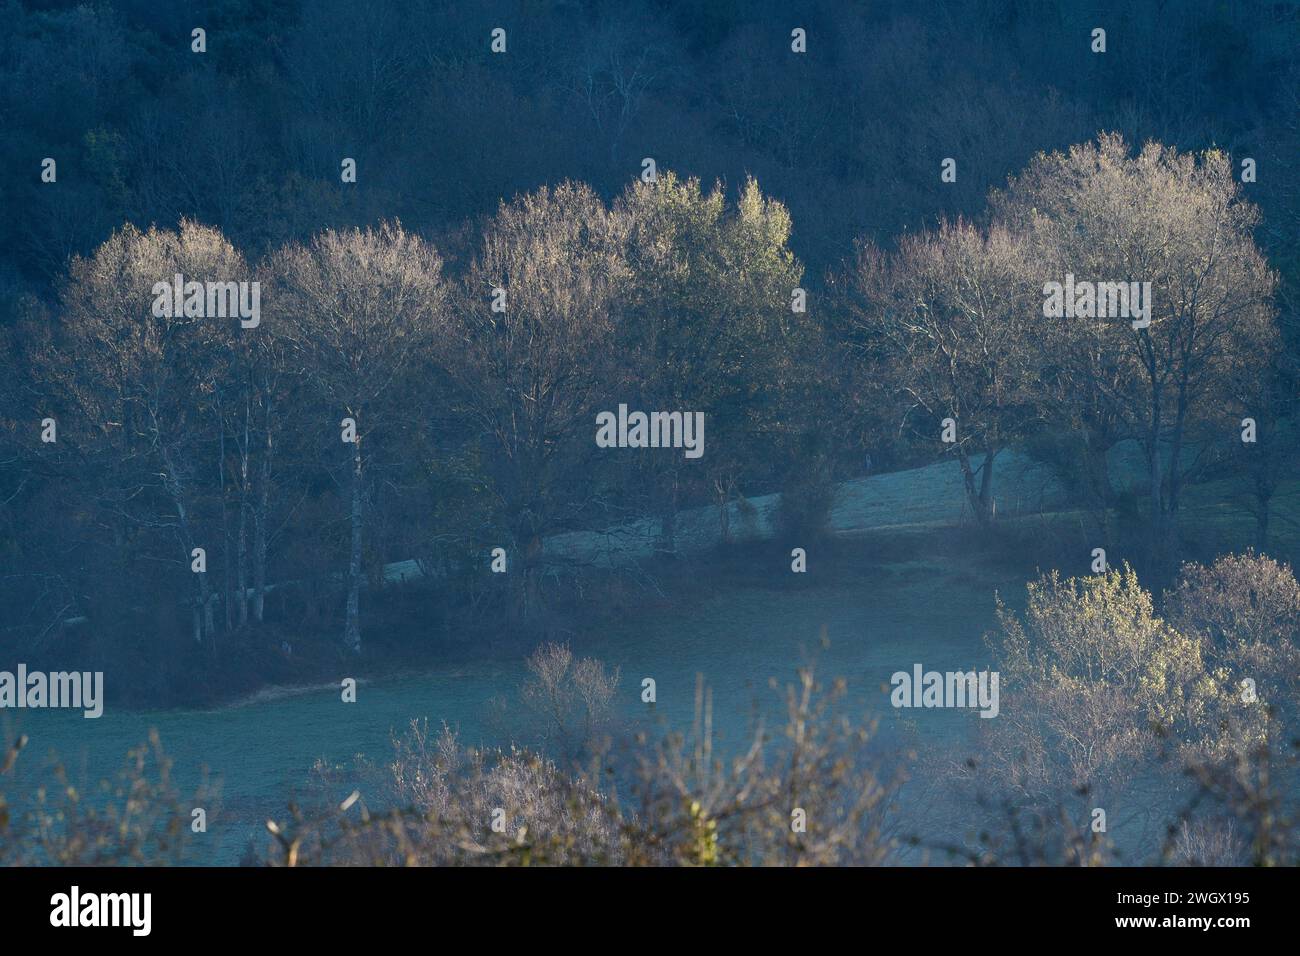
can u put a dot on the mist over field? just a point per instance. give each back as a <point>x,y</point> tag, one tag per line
<point>594,433</point>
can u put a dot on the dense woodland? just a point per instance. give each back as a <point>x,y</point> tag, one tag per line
<point>524,171</point>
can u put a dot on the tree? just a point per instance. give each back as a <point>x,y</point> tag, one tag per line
<point>138,383</point>
<point>1094,679</point>
<point>1100,687</point>
<point>532,376</point>
<point>711,327</point>
<point>1245,611</point>
<point>358,307</point>
<point>255,410</point>
<point>1166,218</point>
<point>949,320</point>
<point>569,700</point>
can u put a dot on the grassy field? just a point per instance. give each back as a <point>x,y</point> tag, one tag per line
<point>906,578</point>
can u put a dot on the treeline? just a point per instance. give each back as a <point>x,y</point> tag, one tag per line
<point>177,433</point>
<point>1105,298</point>
<point>167,466</point>
<point>172,466</point>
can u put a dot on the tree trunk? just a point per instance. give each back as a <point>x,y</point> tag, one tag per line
<point>1163,527</point>
<point>973,494</point>
<point>986,487</point>
<point>259,564</point>
<point>1264,489</point>
<point>260,518</point>
<point>1175,456</point>
<point>668,519</point>
<point>241,541</point>
<point>1159,506</point>
<point>227,582</point>
<point>209,622</point>
<point>1097,475</point>
<point>241,564</point>
<point>352,630</point>
<point>724,490</point>
<point>187,545</point>
<point>533,575</point>
<point>227,577</point>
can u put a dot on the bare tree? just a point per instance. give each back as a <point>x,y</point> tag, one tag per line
<point>1165,218</point>
<point>358,307</point>
<point>950,321</point>
<point>531,376</point>
<point>139,381</point>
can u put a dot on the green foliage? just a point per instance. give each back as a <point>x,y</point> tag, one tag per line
<point>1100,685</point>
